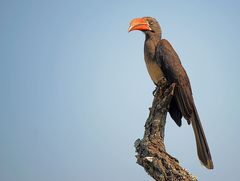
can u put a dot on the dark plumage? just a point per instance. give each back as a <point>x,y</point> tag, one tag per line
<point>162,60</point>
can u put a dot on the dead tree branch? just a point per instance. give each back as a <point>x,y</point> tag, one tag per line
<point>151,152</point>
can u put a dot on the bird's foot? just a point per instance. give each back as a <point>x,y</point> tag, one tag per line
<point>156,90</point>
<point>162,83</point>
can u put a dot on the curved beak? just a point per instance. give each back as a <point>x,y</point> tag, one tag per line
<point>139,24</point>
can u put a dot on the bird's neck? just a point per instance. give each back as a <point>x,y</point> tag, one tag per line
<point>153,68</point>
<point>150,45</point>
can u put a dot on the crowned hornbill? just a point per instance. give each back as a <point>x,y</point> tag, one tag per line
<point>162,61</point>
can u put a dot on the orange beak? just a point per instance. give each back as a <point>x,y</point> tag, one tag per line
<point>139,24</point>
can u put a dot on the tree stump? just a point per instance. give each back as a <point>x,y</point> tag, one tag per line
<point>151,152</point>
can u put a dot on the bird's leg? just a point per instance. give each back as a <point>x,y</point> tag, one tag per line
<point>173,85</point>
<point>162,83</point>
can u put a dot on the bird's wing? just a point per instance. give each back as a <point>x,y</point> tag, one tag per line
<point>171,66</point>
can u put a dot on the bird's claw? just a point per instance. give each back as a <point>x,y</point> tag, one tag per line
<point>155,91</point>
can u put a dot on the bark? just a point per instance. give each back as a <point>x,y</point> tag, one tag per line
<point>151,152</point>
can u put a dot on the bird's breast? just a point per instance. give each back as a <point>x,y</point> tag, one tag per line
<point>154,71</point>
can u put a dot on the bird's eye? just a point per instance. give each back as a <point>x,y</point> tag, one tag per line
<point>150,22</point>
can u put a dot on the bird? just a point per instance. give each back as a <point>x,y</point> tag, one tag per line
<point>162,61</point>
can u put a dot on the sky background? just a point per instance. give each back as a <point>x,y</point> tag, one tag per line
<point>75,91</point>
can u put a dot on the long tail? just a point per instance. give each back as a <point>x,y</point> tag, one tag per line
<point>202,146</point>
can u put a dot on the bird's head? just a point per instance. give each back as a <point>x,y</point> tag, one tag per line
<point>148,25</point>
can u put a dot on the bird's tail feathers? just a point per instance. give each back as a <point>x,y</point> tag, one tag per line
<point>202,146</point>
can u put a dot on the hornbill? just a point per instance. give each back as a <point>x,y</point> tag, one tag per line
<point>162,61</point>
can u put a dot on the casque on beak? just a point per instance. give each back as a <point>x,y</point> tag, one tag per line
<point>139,24</point>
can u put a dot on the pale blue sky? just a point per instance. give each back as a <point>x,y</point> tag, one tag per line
<point>75,91</point>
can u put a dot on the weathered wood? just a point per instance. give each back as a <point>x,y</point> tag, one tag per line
<point>151,152</point>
